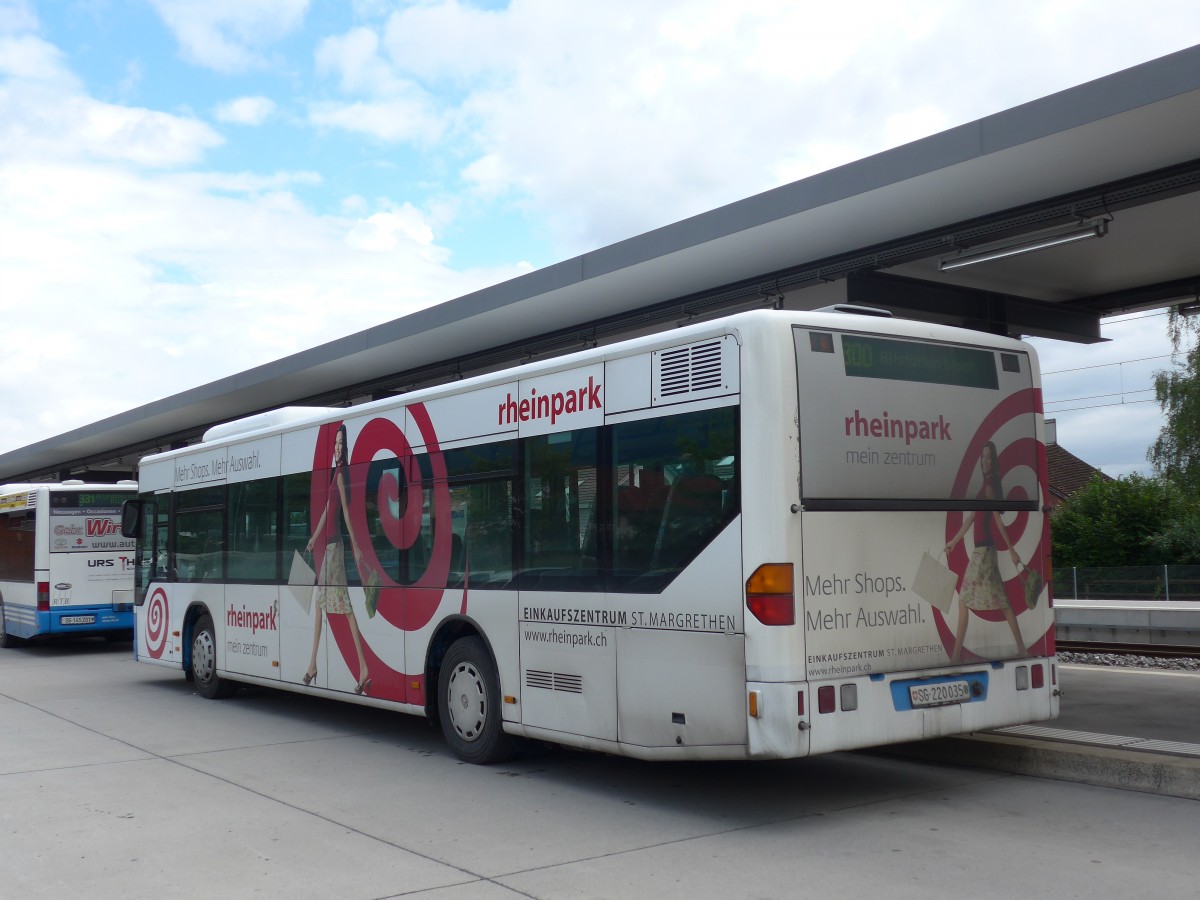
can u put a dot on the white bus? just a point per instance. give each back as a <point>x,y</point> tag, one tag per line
<point>65,567</point>
<point>772,535</point>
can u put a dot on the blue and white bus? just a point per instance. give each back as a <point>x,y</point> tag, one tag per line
<point>64,566</point>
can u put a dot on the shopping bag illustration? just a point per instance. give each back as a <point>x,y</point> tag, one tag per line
<point>934,583</point>
<point>301,579</point>
<point>371,590</point>
<point>1033,583</point>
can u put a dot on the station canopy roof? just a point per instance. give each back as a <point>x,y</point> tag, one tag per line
<point>1109,169</point>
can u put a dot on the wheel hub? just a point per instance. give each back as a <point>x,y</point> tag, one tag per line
<point>468,702</point>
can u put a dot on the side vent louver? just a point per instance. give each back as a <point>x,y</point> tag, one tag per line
<point>707,368</point>
<point>686,370</point>
<point>554,681</point>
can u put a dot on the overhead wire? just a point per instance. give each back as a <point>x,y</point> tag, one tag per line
<point>1122,394</point>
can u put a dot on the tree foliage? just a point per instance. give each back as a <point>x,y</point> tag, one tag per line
<point>1175,455</point>
<point>1129,521</point>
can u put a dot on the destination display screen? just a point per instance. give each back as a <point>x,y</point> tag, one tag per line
<point>873,357</point>
<point>90,499</point>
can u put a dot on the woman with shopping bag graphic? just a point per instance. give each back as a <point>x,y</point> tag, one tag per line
<point>982,586</point>
<point>333,595</point>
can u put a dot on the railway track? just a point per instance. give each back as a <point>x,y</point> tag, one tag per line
<point>1153,651</point>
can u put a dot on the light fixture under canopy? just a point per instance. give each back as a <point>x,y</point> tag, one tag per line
<point>1028,243</point>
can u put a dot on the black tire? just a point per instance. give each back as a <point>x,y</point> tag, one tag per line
<point>469,704</point>
<point>6,639</point>
<point>204,662</point>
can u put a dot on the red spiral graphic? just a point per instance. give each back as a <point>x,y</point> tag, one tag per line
<point>408,607</point>
<point>158,620</point>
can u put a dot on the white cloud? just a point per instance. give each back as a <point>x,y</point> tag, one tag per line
<point>245,110</point>
<point>396,119</point>
<point>182,286</point>
<point>17,16</point>
<point>390,108</point>
<point>354,59</point>
<point>48,123</point>
<point>171,275</point>
<point>611,119</point>
<point>385,231</point>
<point>229,35</point>
<point>30,58</point>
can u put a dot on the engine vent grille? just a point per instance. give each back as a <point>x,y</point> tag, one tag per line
<point>707,368</point>
<point>554,681</point>
<point>686,370</point>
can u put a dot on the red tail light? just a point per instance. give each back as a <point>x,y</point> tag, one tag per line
<point>826,698</point>
<point>770,594</point>
<point>43,596</point>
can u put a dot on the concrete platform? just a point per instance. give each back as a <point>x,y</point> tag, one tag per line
<point>1134,729</point>
<point>1150,622</point>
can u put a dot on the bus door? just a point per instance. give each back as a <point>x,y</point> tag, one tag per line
<point>250,630</point>
<point>567,637</point>
<point>19,576</point>
<point>676,579</point>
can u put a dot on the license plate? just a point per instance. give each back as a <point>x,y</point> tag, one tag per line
<point>939,693</point>
<point>78,620</point>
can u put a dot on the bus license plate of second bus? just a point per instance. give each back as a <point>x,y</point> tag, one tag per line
<point>939,694</point>
<point>78,620</point>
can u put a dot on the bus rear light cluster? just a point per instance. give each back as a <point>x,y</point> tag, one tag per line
<point>826,698</point>
<point>1031,676</point>
<point>43,596</point>
<point>831,698</point>
<point>849,697</point>
<point>770,594</point>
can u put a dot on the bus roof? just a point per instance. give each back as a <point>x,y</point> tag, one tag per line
<point>286,418</point>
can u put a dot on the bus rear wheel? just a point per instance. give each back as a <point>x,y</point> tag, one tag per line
<point>6,639</point>
<point>204,662</point>
<point>469,704</point>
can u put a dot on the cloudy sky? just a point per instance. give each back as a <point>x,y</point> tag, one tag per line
<point>189,188</point>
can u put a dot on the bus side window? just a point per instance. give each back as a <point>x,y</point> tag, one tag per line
<point>560,503</point>
<point>691,515</point>
<point>16,547</point>
<point>481,514</point>
<point>675,488</point>
<point>200,535</point>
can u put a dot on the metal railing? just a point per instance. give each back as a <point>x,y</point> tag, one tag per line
<point>1128,583</point>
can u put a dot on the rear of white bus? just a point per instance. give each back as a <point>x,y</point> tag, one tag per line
<point>66,569</point>
<point>89,575</point>
<point>896,548</point>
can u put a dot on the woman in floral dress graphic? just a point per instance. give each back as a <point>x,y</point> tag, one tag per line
<point>983,587</point>
<point>333,597</point>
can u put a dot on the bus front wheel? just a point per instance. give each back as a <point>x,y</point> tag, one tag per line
<point>204,662</point>
<point>469,704</point>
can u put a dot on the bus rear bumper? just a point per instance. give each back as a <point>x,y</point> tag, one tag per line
<point>85,620</point>
<point>806,718</point>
